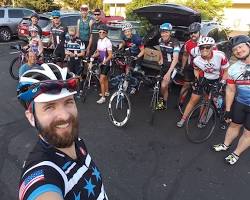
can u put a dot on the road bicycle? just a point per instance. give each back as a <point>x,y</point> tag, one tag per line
<point>17,62</point>
<point>202,120</point>
<point>89,81</point>
<point>119,107</point>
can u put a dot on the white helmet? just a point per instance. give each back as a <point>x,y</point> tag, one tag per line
<point>206,40</point>
<point>127,26</point>
<point>40,84</point>
<point>33,28</point>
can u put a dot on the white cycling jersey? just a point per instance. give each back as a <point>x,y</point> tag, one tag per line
<point>212,68</point>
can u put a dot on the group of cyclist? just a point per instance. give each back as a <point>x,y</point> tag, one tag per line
<point>203,65</point>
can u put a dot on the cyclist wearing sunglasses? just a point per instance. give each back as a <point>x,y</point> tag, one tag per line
<point>169,55</point>
<point>189,53</point>
<point>74,51</point>
<point>134,43</point>
<point>59,167</point>
<point>58,31</point>
<point>238,99</point>
<point>94,36</point>
<point>208,69</point>
<point>84,25</point>
<point>104,55</point>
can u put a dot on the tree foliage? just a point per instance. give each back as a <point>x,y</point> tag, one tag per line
<point>77,3</point>
<point>38,5</point>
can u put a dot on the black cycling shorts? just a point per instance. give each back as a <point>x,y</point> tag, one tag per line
<point>203,83</point>
<point>105,69</point>
<point>241,114</point>
<point>189,74</point>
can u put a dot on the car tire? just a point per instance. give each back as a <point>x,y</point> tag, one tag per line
<point>5,34</point>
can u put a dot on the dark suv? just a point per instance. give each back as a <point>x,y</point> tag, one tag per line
<point>67,19</point>
<point>180,17</point>
<point>9,19</point>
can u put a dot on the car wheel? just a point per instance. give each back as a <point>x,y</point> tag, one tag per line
<point>5,34</point>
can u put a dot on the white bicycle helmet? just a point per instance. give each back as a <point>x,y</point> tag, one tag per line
<point>206,41</point>
<point>33,28</point>
<point>30,86</point>
<point>127,26</point>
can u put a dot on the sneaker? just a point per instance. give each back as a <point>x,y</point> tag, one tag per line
<point>220,147</point>
<point>160,105</point>
<point>201,125</point>
<point>232,158</point>
<point>180,123</point>
<point>133,90</point>
<point>106,94</point>
<point>101,100</point>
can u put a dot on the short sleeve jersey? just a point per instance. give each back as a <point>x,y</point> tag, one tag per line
<point>192,50</point>
<point>134,44</point>
<point>212,69</point>
<point>58,34</point>
<point>34,44</point>
<point>50,170</point>
<point>168,49</point>
<point>103,46</point>
<point>235,73</point>
<point>74,45</point>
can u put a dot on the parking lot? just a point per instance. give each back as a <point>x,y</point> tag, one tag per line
<point>138,162</point>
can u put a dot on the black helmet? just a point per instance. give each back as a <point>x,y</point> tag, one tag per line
<point>34,15</point>
<point>194,27</point>
<point>102,27</point>
<point>234,41</point>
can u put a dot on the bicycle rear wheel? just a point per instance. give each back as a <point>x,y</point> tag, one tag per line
<point>183,99</point>
<point>119,108</point>
<point>201,123</point>
<point>14,68</point>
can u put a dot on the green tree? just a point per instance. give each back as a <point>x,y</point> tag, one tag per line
<point>38,5</point>
<point>77,3</point>
<point>209,9</point>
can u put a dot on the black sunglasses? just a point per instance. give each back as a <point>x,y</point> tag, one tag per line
<point>97,14</point>
<point>205,47</point>
<point>191,33</point>
<point>55,17</point>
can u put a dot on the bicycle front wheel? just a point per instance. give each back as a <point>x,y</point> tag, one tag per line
<point>14,68</point>
<point>201,123</point>
<point>119,108</point>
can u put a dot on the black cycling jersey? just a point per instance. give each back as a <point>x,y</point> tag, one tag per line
<point>168,49</point>
<point>95,35</point>
<point>58,35</point>
<point>49,170</point>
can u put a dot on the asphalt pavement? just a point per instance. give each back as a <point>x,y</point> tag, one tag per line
<point>138,162</point>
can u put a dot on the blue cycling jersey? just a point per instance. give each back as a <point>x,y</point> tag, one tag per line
<point>134,43</point>
<point>236,72</point>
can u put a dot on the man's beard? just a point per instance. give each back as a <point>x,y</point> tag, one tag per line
<point>59,141</point>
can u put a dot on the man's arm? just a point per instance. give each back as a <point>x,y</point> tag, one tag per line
<point>184,59</point>
<point>174,62</point>
<point>230,94</point>
<point>141,52</point>
<point>77,29</point>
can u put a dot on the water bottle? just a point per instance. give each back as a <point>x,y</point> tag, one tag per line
<point>219,101</point>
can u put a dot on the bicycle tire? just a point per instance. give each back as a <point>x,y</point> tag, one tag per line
<point>196,134</point>
<point>84,90</point>
<point>117,102</point>
<point>153,105</point>
<point>183,99</point>
<point>14,68</point>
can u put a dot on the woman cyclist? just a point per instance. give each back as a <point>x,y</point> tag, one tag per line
<point>208,68</point>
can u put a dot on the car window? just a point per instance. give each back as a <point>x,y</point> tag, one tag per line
<point>214,34</point>
<point>70,20</point>
<point>27,12</point>
<point>15,13</point>
<point>222,36</point>
<point>1,13</point>
<point>25,21</point>
<point>43,22</point>
<point>115,34</point>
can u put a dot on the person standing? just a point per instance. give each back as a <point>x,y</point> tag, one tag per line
<point>238,100</point>
<point>94,36</point>
<point>104,55</point>
<point>59,166</point>
<point>84,25</point>
<point>34,22</point>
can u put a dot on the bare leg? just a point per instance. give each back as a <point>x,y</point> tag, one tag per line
<point>106,84</point>
<point>243,143</point>
<point>232,132</point>
<point>102,84</point>
<point>193,101</point>
<point>164,89</point>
